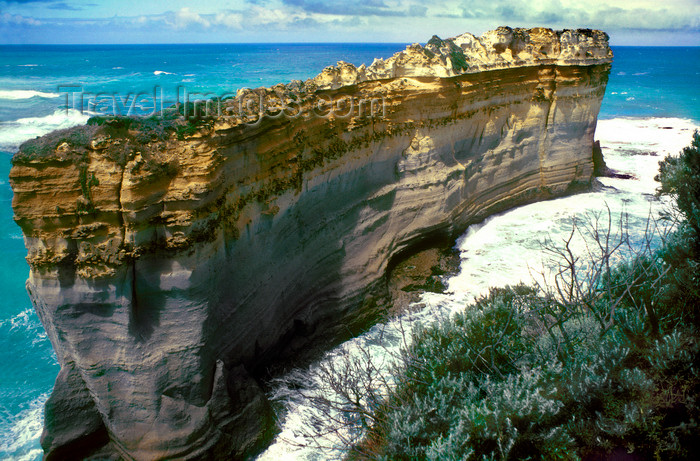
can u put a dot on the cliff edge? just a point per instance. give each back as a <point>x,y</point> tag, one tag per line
<point>172,257</point>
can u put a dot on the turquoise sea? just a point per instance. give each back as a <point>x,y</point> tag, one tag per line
<point>652,96</point>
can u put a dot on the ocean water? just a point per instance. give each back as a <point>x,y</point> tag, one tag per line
<point>650,109</point>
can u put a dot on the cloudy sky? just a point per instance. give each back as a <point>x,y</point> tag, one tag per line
<point>629,22</point>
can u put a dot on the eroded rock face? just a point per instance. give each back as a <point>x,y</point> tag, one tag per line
<point>170,260</point>
<point>502,48</point>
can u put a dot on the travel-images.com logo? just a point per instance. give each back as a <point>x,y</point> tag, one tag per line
<point>249,106</point>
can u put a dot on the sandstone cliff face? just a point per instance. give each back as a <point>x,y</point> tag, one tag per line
<point>169,259</point>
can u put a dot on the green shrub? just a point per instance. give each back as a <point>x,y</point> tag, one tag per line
<point>487,339</point>
<point>680,179</point>
<point>77,138</point>
<point>465,395</point>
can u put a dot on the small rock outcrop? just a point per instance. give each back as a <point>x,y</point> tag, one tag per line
<point>172,259</point>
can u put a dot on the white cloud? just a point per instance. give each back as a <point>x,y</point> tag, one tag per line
<point>230,20</point>
<point>16,19</point>
<point>262,16</point>
<point>186,17</point>
<point>624,14</point>
<point>254,17</point>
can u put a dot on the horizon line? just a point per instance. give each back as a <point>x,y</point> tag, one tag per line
<point>287,43</point>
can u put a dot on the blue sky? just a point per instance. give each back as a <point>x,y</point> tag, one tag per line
<point>641,22</point>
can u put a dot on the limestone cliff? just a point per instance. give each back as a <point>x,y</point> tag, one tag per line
<point>172,258</point>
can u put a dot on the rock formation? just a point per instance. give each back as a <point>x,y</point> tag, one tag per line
<point>172,258</point>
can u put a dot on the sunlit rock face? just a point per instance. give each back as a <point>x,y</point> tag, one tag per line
<point>170,261</point>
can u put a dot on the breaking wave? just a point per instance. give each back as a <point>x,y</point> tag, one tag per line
<point>15,132</point>
<point>26,94</point>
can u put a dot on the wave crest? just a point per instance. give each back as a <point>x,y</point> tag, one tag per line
<point>26,94</point>
<point>15,132</point>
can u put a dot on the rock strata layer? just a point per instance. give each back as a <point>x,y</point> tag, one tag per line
<point>171,259</point>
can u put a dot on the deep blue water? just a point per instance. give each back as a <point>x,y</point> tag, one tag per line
<point>644,82</point>
<point>653,82</point>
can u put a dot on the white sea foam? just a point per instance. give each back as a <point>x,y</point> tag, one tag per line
<point>26,94</point>
<point>14,133</point>
<point>32,455</point>
<point>23,320</point>
<point>20,433</point>
<point>25,323</point>
<point>506,248</point>
<point>22,441</point>
<point>503,250</point>
<point>162,72</point>
<point>27,65</point>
